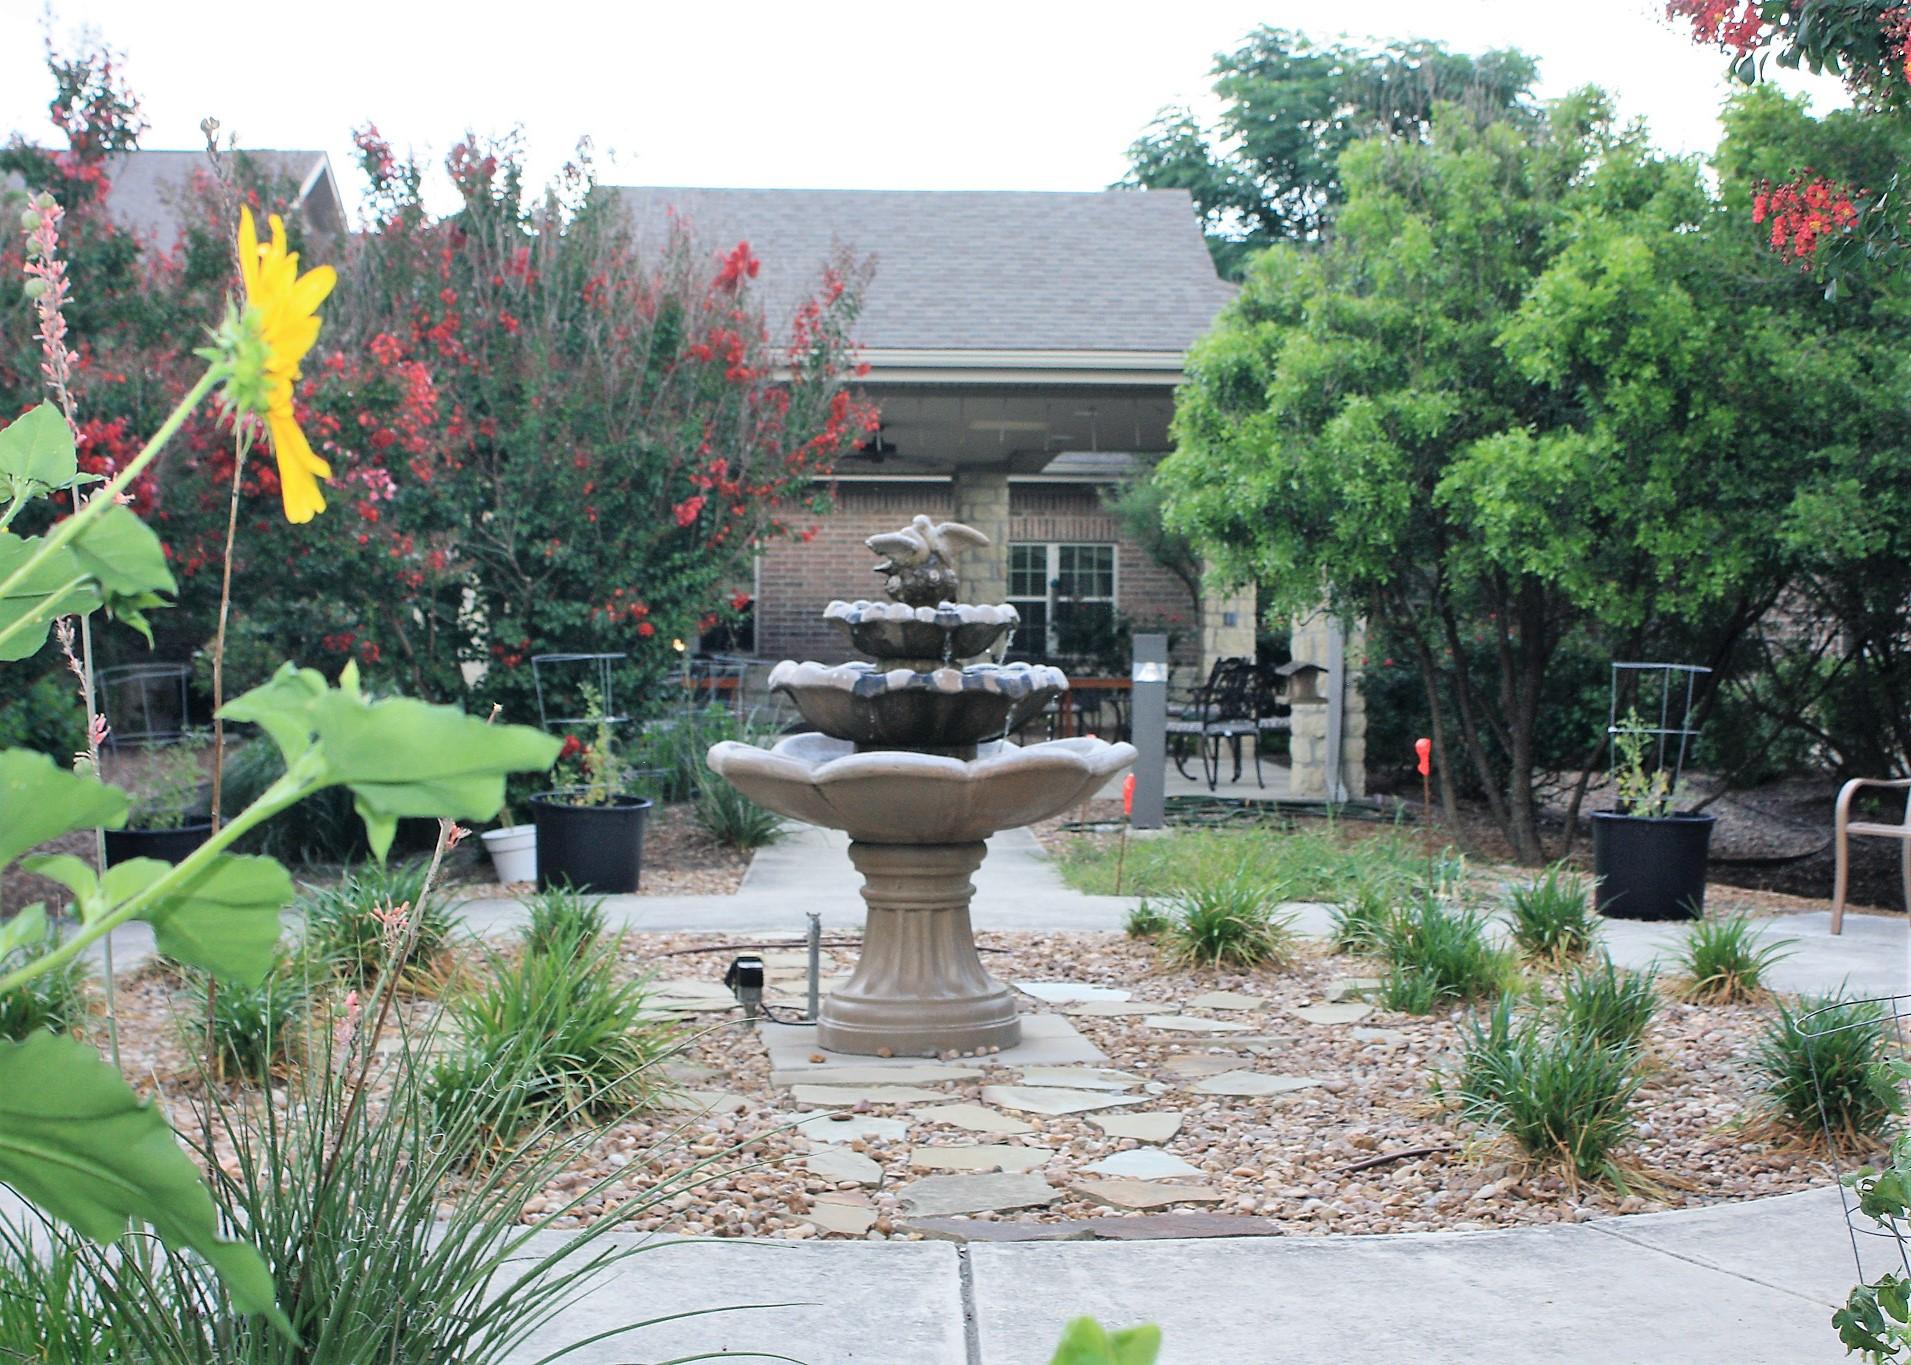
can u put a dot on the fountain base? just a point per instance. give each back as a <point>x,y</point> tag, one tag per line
<point>920,987</point>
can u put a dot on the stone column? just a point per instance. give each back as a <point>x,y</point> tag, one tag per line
<point>1314,642</point>
<point>919,988</point>
<point>1227,623</point>
<point>982,501</point>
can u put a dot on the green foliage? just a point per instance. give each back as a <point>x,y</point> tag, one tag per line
<point>253,1027</point>
<point>1311,862</point>
<point>52,1002</point>
<point>1438,952</point>
<point>1642,787</point>
<point>1561,1095</point>
<point>1551,918</point>
<point>1826,1071</point>
<point>1229,924</point>
<point>1087,1342</point>
<point>1876,1318</point>
<point>733,819</point>
<point>561,918</point>
<point>170,789</point>
<point>1269,170</point>
<point>669,751</point>
<point>550,1035</point>
<point>1610,1006</point>
<point>1147,920</point>
<point>39,802</point>
<point>43,715</point>
<point>51,1308</point>
<point>343,931</point>
<point>1487,414</point>
<point>322,828</point>
<point>1724,961</point>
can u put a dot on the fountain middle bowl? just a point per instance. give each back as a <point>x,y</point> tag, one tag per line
<point>903,708</point>
<point>947,633</point>
<point>898,797</point>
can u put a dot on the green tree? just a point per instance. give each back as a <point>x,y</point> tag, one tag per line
<point>1268,170</point>
<point>1511,408</point>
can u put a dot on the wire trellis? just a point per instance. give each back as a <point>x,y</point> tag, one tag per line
<point>562,681</point>
<point>1676,685</point>
<point>145,703</point>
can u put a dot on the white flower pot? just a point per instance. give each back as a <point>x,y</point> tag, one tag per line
<point>513,851</point>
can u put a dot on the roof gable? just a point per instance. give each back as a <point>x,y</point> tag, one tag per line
<point>149,188</point>
<point>1116,270</point>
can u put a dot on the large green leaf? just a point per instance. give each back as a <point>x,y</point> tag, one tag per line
<point>36,453</point>
<point>399,756</point>
<point>1087,1342</point>
<point>224,918</point>
<point>27,926</point>
<point>127,561</point>
<point>76,1141</point>
<point>57,586</point>
<point>41,801</point>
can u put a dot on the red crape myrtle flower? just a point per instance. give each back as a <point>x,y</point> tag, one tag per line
<point>1732,24</point>
<point>1803,212</point>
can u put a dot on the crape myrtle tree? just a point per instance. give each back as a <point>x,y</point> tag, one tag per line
<point>1513,406</point>
<point>543,439</point>
<point>1268,170</point>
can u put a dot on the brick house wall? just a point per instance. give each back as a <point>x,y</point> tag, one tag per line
<point>1145,592</point>
<point>796,579</point>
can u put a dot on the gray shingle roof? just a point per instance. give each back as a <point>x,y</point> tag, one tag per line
<point>1117,270</point>
<point>149,187</point>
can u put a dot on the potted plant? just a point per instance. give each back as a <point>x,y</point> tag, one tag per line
<point>1649,859</point>
<point>171,810</point>
<point>513,849</point>
<point>590,830</point>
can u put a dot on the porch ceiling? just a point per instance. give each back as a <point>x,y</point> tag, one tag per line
<point>938,428</point>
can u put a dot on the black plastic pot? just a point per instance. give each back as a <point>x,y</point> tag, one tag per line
<point>597,849</point>
<point>1650,867</point>
<point>167,845</point>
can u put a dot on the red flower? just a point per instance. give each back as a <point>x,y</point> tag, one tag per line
<point>687,510</point>
<point>645,629</point>
<point>735,268</point>
<point>573,746</point>
<point>739,600</point>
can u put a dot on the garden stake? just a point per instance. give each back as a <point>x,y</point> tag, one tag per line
<point>1423,752</point>
<point>1127,819</point>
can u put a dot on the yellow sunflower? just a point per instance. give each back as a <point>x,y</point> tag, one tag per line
<point>282,318</point>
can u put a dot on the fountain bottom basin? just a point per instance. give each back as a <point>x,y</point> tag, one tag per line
<point>920,988</point>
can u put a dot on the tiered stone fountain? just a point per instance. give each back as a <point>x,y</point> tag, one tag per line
<point>911,758</point>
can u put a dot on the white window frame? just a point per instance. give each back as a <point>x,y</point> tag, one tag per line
<point>1053,571</point>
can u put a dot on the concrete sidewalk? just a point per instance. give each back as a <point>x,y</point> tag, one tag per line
<point>1744,1284</point>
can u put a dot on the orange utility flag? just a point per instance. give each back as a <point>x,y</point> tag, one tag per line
<point>1128,795</point>
<point>1424,748</point>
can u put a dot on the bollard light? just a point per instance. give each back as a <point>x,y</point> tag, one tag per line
<point>745,980</point>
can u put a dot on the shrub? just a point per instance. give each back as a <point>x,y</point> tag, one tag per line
<point>252,1026</point>
<point>1551,918</point>
<point>1561,1096</point>
<point>54,1000</point>
<point>1147,921</point>
<point>323,828</point>
<point>1607,1005</point>
<point>1230,924</point>
<point>561,917</point>
<point>344,935</point>
<point>547,1036</point>
<point>45,715</point>
<point>1360,922</point>
<point>1725,960</point>
<point>1438,952</point>
<point>1826,1071</point>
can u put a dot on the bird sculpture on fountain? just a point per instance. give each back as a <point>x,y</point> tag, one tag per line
<point>919,563</point>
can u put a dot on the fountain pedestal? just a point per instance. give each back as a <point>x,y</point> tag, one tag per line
<point>920,987</point>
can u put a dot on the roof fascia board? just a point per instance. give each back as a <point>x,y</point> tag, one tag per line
<point>894,366</point>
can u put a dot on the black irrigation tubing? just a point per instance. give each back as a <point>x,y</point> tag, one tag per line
<point>800,943</point>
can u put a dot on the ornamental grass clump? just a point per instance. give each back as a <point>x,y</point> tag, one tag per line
<point>563,918</point>
<point>350,927</point>
<point>1725,961</point>
<point>551,1033</point>
<point>1608,1004</point>
<point>1551,918</point>
<point>1229,924</point>
<point>1827,1073</point>
<point>733,819</point>
<point>1147,920</point>
<point>53,1002</point>
<point>1440,952</point>
<point>253,1027</point>
<point>1360,921</point>
<point>1561,1096</point>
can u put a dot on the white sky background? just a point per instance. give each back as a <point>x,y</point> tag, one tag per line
<point>1039,94</point>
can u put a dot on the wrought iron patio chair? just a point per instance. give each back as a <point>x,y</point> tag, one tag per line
<point>1221,711</point>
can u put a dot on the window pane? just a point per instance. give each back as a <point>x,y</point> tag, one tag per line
<point>1031,637</point>
<point>1028,571</point>
<point>1084,629</point>
<point>1086,571</point>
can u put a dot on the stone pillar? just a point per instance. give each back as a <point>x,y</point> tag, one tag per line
<point>1227,623</point>
<point>1317,639</point>
<point>982,501</point>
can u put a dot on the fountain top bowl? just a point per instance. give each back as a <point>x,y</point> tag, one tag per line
<point>947,632</point>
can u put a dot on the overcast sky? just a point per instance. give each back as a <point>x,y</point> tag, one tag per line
<point>1035,94</point>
